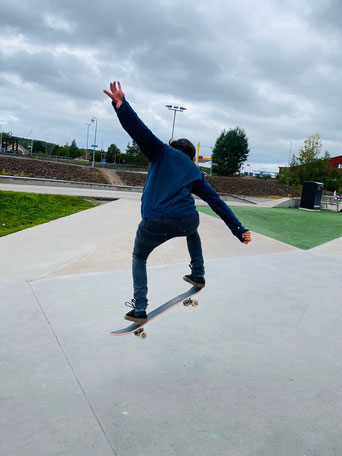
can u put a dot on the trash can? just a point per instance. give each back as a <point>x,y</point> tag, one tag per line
<point>311,195</point>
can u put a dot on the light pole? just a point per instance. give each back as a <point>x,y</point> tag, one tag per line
<point>1,138</point>
<point>175,109</point>
<point>88,125</point>
<point>31,140</point>
<point>288,169</point>
<point>93,119</point>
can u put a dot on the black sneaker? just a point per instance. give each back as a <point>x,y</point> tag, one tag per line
<point>198,282</point>
<point>133,315</point>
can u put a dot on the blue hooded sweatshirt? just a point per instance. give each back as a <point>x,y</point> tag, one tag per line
<point>172,177</point>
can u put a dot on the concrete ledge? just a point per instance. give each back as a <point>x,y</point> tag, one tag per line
<point>289,202</point>
<point>62,183</point>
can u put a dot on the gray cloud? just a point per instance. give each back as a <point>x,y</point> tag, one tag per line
<point>273,69</point>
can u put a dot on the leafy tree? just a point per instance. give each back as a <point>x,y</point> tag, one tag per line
<point>64,150</point>
<point>230,152</point>
<point>39,147</point>
<point>309,166</point>
<point>97,156</point>
<point>113,153</point>
<point>134,155</point>
<point>73,150</point>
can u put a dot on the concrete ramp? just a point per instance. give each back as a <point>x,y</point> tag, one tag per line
<point>102,239</point>
<point>253,370</point>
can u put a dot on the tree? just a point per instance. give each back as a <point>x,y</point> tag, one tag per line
<point>64,151</point>
<point>309,166</point>
<point>230,152</point>
<point>135,156</point>
<point>73,151</point>
<point>39,147</point>
<point>113,153</point>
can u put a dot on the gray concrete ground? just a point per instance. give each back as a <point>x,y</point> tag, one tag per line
<point>254,370</point>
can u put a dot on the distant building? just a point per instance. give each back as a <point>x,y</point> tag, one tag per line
<point>20,151</point>
<point>336,162</point>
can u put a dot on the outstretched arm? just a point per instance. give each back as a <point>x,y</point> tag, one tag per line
<point>209,195</point>
<point>148,143</point>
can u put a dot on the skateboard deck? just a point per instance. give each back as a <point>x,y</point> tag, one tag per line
<point>138,328</point>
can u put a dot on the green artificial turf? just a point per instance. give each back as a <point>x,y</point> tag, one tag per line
<point>302,229</point>
<point>23,210</point>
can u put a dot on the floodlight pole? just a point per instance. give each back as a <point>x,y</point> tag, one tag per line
<point>175,109</point>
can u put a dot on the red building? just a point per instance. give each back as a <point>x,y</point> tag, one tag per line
<point>336,162</point>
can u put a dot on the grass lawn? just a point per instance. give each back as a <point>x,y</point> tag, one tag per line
<point>23,210</point>
<point>302,229</point>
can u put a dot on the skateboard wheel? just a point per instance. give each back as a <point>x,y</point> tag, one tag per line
<point>195,303</point>
<point>142,335</point>
<point>138,332</point>
<point>187,302</point>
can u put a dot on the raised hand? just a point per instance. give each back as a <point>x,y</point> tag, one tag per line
<point>116,94</point>
<point>247,237</point>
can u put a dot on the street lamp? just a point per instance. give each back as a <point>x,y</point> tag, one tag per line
<point>93,119</point>
<point>31,141</point>
<point>288,169</point>
<point>175,109</point>
<point>88,124</point>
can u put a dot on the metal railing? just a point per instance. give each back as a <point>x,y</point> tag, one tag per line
<point>331,203</point>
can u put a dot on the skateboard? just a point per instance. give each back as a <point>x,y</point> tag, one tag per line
<point>138,328</point>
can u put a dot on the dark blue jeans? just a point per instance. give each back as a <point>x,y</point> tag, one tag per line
<point>153,232</point>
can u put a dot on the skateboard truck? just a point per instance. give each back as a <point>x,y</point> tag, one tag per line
<point>140,332</point>
<point>190,302</point>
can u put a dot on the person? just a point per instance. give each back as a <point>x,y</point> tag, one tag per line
<point>167,206</point>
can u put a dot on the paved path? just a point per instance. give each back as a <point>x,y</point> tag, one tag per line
<point>113,194</point>
<point>254,370</point>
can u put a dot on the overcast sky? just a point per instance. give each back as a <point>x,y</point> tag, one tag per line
<point>271,67</point>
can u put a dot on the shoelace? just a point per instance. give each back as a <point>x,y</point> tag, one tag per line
<point>130,304</point>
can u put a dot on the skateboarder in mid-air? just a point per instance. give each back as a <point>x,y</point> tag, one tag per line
<point>167,207</point>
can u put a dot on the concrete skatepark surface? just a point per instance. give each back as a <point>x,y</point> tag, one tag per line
<point>254,370</point>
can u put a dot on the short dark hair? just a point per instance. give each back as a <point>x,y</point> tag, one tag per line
<point>184,145</point>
